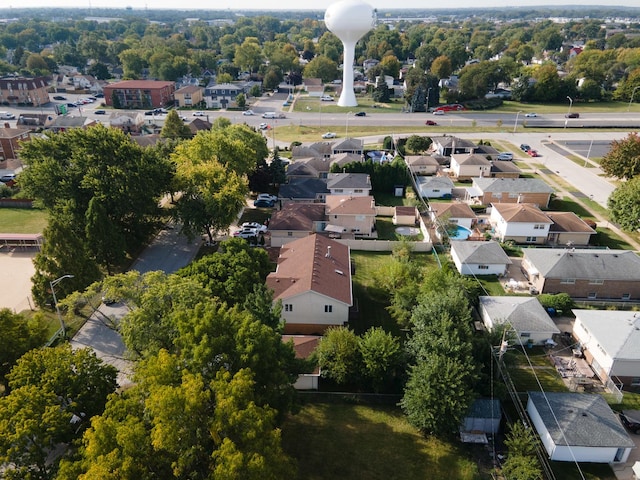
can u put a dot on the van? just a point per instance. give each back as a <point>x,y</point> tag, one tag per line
<point>269,115</point>
<point>7,116</point>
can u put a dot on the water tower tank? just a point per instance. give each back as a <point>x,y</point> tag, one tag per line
<point>349,20</point>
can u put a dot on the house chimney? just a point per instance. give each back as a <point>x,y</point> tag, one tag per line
<point>328,255</point>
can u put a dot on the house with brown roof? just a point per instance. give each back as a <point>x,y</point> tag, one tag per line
<point>422,164</point>
<point>584,273</point>
<point>199,124</point>
<point>455,212</point>
<point>304,346</point>
<point>29,91</point>
<point>509,190</point>
<point>189,96</point>
<point>139,94</point>
<point>469,165</point>
<point>404,215</point>
<point>317,149</point>
<point>313,86</point>
<point>447,146</point>
<point>568,229</point>
<point>309,167</point>
<point>33,121</point>
<point>10,140</point>
<point>354,214</point>
<point>296,220</point>
<point>313,282</point>
<point>519,222</point>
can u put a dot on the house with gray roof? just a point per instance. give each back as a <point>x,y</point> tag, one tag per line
<point>584,273</point>
<point>354,184</point>
<point>342,159</point>
<point>479,258</point>
<point>304,190</point>
<point>578,427</point>
<point>422,164</point>
<point>303,169</point>
<point>447,145</point>
<point>348,145</point>
<point>509,190</point>
<point>525,315</point>
<point>610,341</point>
<point>504,169</point>
<point>317,149</point>
<point>469,165</point>
<point>434,187</point>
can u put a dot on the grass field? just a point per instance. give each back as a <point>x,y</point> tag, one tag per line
<point>22,220</point>
<point>359,442</point>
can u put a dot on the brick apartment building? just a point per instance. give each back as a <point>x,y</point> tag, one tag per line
<point>139,94</point>
<point>16,91</point>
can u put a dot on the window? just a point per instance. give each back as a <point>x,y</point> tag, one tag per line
<point>289,234</point>
<point>358,190</point>
<point>626,296</point>
<point>538,226</point>
<point>338,190</point>
<point>596,281</point>
<point>497,195</point>
<point>525,334</point>
<point>288,307</point>
<point>635,381</point>
<point>568,281</point>
<point>436,190</point>
<point>531,239</point>
<point>328,308</point>
<point>483,267</point>
<point>592,295</point>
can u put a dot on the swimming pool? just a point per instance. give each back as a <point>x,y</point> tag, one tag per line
<point>460,233</point>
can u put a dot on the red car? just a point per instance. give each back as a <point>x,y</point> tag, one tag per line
<point>532,153</point>
<point>430,122</point>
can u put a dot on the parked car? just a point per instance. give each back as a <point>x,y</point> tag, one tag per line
<point>532,153</point>
<point>150,112</point>
<point>631,423</point>
<point>505,156</point>
<point>326,98</point>
<point>268,197</point>
<point>524,147</point>
<point>7,116</point>
<point>263,204</point>
<point>329,135</point>
<point>59,97</point>
<point>72,105</point>
<point>9,179</point>
<point>246,233</point>
<point>572,115</point>
<point>361,114</point>
<point>99,95</point>
<point>263,126</point>
<point>248,113</point>
<point>531,115</point>
<point>438,112</point>
<point>199,113</point>
<point>430,122</point>
<point>258,227</point>
<point>100,112</point>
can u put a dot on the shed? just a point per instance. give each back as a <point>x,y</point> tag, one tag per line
<point>484,416</point>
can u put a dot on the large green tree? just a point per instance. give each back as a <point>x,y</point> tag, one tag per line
<point>339,355</point>
<point>624,205</point>
<point>174,127</point>
<point>321,67</point>
<point>623,158</point>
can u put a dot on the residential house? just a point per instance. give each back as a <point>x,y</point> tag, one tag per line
<point>313,282</point>
<point>222,95</point>
<point>10,140</point>
<point>63,123</point>
<point>139,94</point>
<point>296,220</point>
<point>27,91</point>
<point>342,159</point>
<point>469,165</point>
<point>304,190</point>
<point>317,149</point>
<point>578,427</point>
<point>479,258</point>
<point>189,96</point>
<point>504,169</point>
<point>405,216</point>
<point>148,140</point>
<point>313,86</point>
<point>348,145</point>
<point>447,146</point>
<point>33,121</point>
<point>568,229</point>
<point>354,184</point>
<point>198,124</point>
<point>610,341</point>
<point>304,346</point>
<point>310,167</point>
<point>520,223</point>
<point>82,82</point>
<point>524,316</point>
<point>434,187</point>
<point>486,150</point>
<point>458,213</point>
<point>509,190</point>
<point>128,122</point>
<point>422,164</point>
<point>584,273</point>
<point>354,214</point>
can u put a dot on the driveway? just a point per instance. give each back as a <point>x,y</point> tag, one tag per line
<point>168,252</point>
<point>16,270</point>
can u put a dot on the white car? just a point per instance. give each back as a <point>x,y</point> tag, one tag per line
<point>531,115</point>
<point>248,113</point>
<point>268,197</point>
<point>326,98</point>
<point>199,114</point>
<point>329,135</point>
<point>505,156</point>
<point>255,226</point>
<point>263,126</point>
<point>246,233</point>
<point>438,112</point>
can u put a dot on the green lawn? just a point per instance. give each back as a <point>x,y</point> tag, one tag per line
<point>22,220</point>
<point>358,442</point>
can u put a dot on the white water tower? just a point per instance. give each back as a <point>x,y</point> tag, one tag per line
<point>349,20</point>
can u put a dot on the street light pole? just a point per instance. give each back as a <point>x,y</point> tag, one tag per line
<point>428,93</point>
<point>346,128</point>
<point>570,104</point>
<point>515,125</point>
<point>53,283</point>
<point>632,94</point>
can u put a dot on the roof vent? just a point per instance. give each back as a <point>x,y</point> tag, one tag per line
<point>339,272</point>
<point>328,254</point>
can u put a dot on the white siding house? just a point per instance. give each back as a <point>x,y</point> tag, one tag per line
<point>479,258</point>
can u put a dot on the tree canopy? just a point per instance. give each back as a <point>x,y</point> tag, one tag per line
<point>623,158</point>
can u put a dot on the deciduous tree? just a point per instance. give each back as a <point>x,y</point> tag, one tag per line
<point>624,205</point>
<point>623,158</point>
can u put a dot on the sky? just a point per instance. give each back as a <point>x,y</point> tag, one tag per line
<point>298,5</point>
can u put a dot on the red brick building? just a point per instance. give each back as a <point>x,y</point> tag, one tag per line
<point>10,139</point>
<point>139,94</point>
<point>24,91</point>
